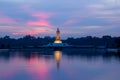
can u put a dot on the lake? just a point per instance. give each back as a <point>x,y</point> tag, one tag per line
<point>66,64</point>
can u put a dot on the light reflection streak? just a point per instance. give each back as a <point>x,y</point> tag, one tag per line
<point>38,67</point>
<point>57,55</point>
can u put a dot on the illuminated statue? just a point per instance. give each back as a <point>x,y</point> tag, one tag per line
<point>57,40</point>
<point>57,43</point>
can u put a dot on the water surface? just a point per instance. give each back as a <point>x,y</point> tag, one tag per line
<point>68,64</point>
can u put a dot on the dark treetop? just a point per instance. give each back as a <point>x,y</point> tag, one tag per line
<point>7,42</point>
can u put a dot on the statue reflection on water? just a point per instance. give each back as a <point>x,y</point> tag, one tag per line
<point>57,56</point>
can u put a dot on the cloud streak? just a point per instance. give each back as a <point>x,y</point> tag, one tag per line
<point>76,17</point>
<point>42,19</point>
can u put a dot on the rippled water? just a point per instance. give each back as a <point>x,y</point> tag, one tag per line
<point>67,64</point>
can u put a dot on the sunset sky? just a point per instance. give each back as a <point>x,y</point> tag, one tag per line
<point>75,18</point>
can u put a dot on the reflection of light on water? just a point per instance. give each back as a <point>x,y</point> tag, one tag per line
<point>57,55</point>
<point>38,67</point>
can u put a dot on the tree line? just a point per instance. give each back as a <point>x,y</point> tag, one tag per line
<point>28,40</point>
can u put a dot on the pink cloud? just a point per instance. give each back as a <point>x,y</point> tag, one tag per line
<point>42,15</point>
<point>30,32</point>
<point>6,20</point>
<point>26,8</point>
<point>42,19</point>
<point>39,23</point>
<point>72,21</point>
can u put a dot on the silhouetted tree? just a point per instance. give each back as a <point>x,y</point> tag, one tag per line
<point>6,37</point>
<point>117,41</point>
<point>28,40</point>
<point>2,46</point>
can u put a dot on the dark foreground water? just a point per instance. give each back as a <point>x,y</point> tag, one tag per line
<point>68,64</point>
